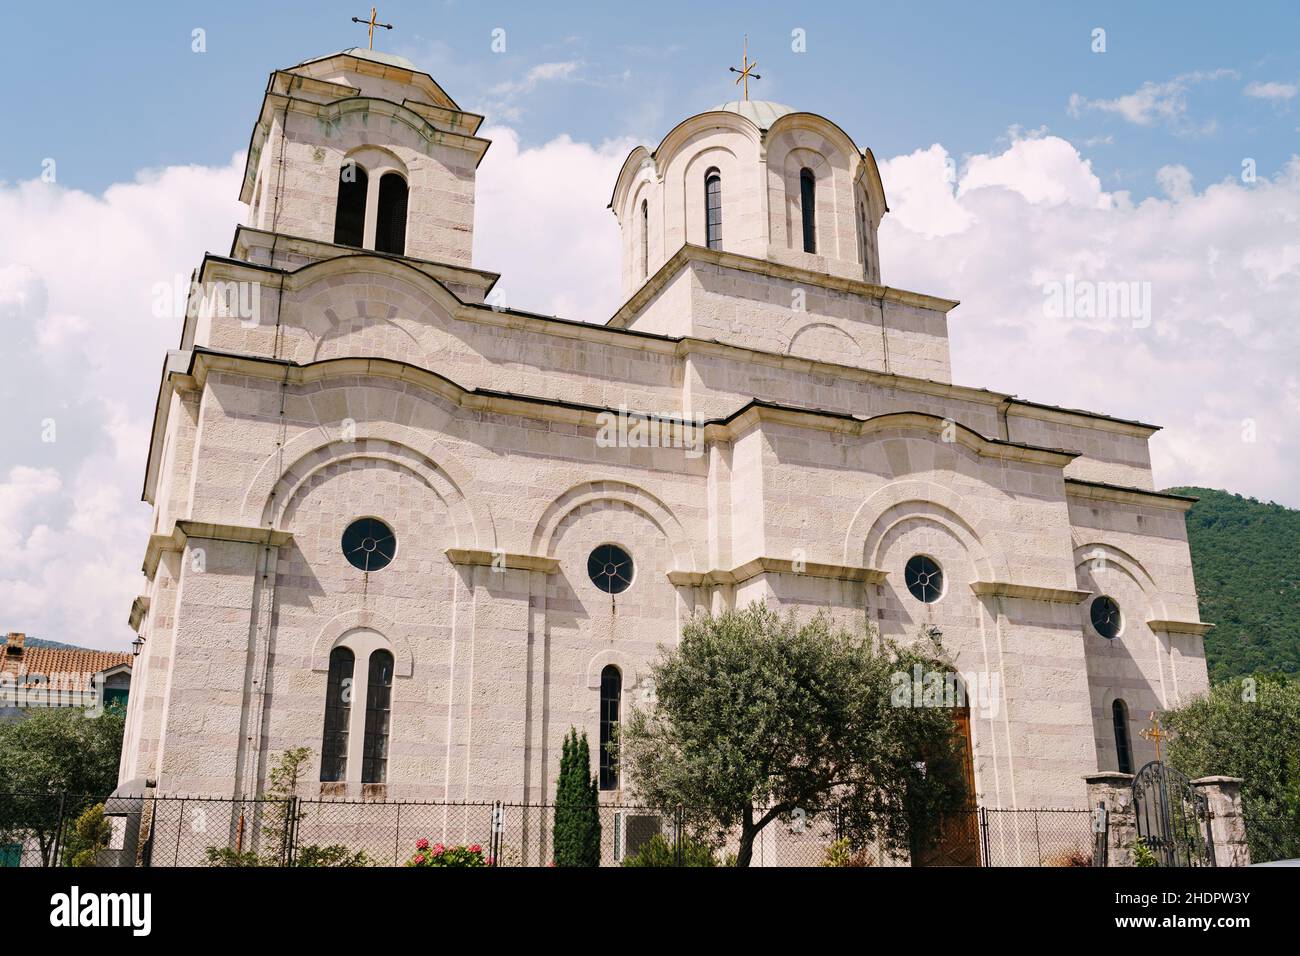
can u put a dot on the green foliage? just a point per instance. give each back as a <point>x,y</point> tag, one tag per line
<point>61,749</point>
<point>577,806</point>
<point>1143,855</point>
<point>757,716</point>
<point>51,751</point>
<point>1248,728</point>
<point>1246,557</point>
<point>281,813</point>
<point>90,834</point>
<point>657,851</point>
<point>841,853</point>
<point>439,855</point>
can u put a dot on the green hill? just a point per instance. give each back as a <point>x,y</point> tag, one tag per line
<point>1246,556</point>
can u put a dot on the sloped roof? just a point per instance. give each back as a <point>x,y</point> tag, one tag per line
<point>61,660</point>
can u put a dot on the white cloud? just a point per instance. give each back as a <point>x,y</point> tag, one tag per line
<point>82,355</point>
<point>1151,103</point>
<point>1222,353</point>
<point>1272,90</point>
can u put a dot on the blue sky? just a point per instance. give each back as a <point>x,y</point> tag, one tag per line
<point>120,89</point>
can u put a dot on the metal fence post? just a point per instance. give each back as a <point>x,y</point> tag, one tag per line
<point>1101,835</point>
<point>678,849</point>
<point>58,830</point>
<point>984,835</point>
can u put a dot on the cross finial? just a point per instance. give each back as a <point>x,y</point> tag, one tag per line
<point>1154,732</point>
<point>747,72</point>
<point>372,24</point>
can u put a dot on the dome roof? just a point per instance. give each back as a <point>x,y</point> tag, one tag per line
<point>762,113</point>
<point>390,59</point>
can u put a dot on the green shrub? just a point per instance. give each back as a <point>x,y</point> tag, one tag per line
<point>842,853</point>
<point>439,855</point>
<point>657,851</point>
<point>90,834</point>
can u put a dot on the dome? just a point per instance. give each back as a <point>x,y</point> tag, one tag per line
<point>762,113</point>
<point>389,59</point>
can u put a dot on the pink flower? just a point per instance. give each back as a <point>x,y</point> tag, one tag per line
<point>489,861</point>
<point>422,844</point>
<point>419,858</point>
<point>475,848</point>
<point>438,849</point>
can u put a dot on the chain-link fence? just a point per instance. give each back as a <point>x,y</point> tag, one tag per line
<point>43,830</point>
<point>1272,838</point>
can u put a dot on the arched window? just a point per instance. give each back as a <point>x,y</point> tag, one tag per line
<point>390,225</point>
<point>350,212</point>
<point>645,239</point>
<point>611,692</point>
<point>808,206</point>
<point>379,694</point>
<point>713,208</point>
<point>1123,749</point>
<point>338,711</point>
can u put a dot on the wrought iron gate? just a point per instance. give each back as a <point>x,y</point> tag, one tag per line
<point>1173,818</point>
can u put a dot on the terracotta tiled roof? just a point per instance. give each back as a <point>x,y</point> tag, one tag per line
<point>60,660</point>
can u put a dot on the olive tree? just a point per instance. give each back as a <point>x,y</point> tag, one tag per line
<point>756,716</point>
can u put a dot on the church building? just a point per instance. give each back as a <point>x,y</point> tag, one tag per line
<point>423,534</point>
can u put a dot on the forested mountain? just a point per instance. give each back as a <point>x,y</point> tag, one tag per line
<point>1246,556</point>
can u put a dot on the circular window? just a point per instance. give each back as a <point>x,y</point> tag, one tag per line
<point>1106,618</point>
<point>369,544</point>
<point>924,579</point>
<point>610,568</point>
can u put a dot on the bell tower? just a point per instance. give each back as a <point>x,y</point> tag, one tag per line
<point>363,150</point>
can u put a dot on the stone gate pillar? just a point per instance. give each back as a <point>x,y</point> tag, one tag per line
<point>1227,823</point>
<point>1114,790</point>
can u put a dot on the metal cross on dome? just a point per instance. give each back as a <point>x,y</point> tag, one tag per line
<point>747,72</point>
<point>372,24</point>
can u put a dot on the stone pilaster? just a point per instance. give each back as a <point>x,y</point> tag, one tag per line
<point>1114,791</point>
<point>1227,824</point>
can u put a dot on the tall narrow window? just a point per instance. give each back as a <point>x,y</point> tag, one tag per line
<point>379,694</point>
<point>350,212</point>
<point>645,239</point>
<point>1123,749</point>
<point>611,692</point>
<point>808,206</point>
<point>338,710</point>
<point>390,225</point>
<point>863,234</point>
<point>713,209</point>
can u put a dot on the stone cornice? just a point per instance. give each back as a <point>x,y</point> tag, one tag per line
<point>479,558</point>
<point>1195,628</point>
<point>182,531</point>
<point>1100,491</point>
<point>766,565</point>
<point>139,608</point>
<point>742,420</point>
<point>1028,592</point>
<point>689,253</point>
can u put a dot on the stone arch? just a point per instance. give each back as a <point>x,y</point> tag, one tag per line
<point>546,532</point>
<point>879,513</point>
<point>281,474</point>
<point>822,341</point>
<point>627,666</point>
<point>1127,565</point>
<point>338,628</point>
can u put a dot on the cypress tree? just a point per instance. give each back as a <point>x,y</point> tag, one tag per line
<point>577,807</point>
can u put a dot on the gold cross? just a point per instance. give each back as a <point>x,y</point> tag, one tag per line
<point>746,73</point>
<point>372,24</point>
<point>1154,733</point>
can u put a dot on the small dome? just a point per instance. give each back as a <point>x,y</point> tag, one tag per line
<point>762,113</point>
<point>360,52</point>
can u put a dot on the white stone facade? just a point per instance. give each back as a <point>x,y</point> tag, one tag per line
<point>833,447</point>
